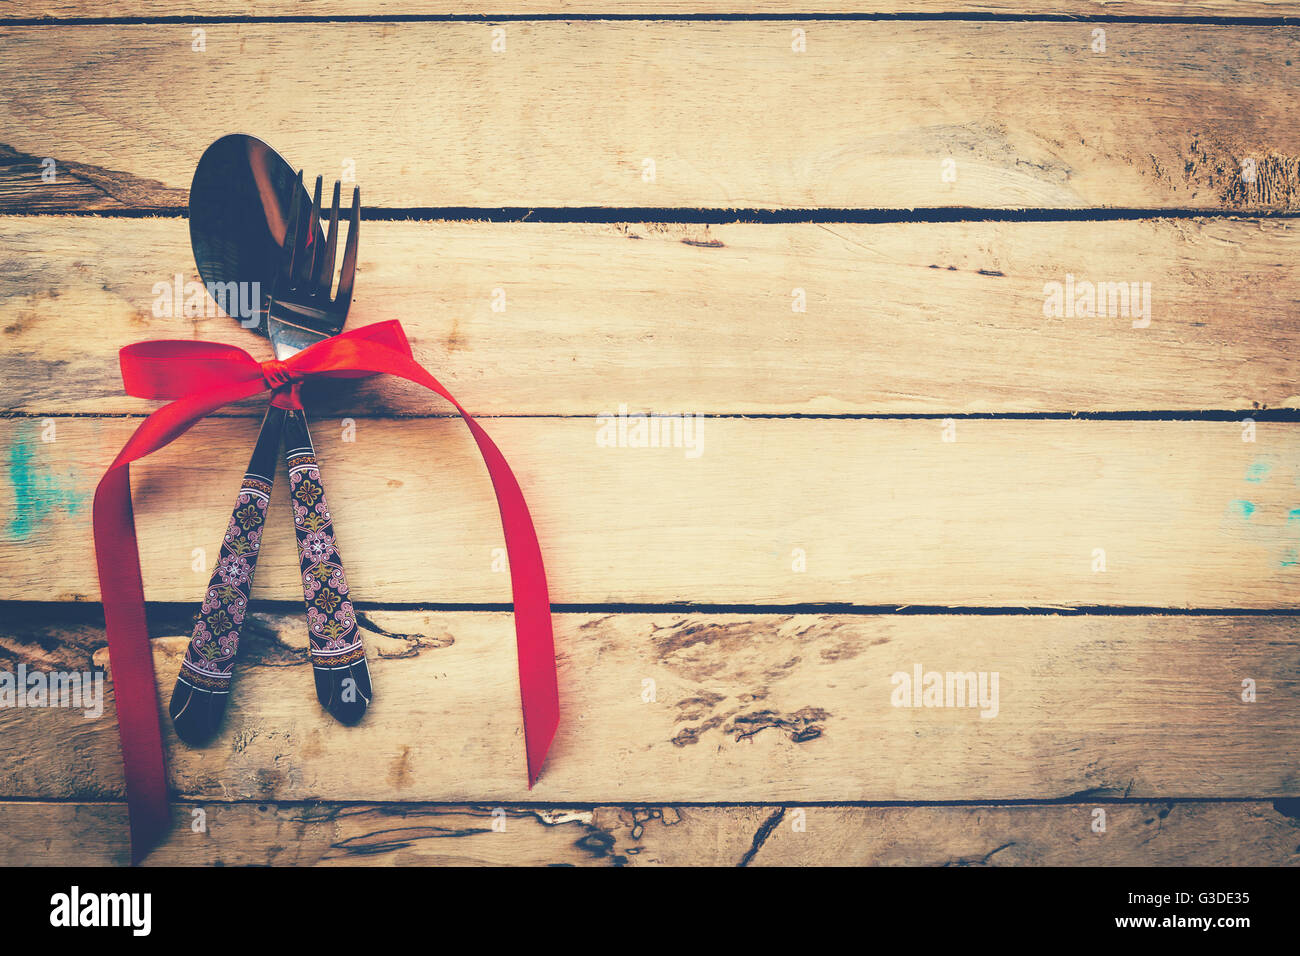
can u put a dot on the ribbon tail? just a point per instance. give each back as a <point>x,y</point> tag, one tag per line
<point>534,640</point>
<point>383,349</point>
<point>131,660</point>
<point>121,587</point>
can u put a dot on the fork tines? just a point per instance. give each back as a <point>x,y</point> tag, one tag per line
<point>307,268</point>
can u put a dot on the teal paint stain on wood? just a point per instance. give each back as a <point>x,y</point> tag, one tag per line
<point>1241,509</point>
<point>1293,515</point>
<point>1290,558</point>
<point>38,490</point>
<point>1258,471</point>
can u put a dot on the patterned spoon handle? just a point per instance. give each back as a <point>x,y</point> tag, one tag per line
<point>203,687</point>
<point>337,656</point>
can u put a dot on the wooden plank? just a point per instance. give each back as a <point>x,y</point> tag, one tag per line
<point>773,511</point>
<point>726,112</point>
<point>901,318</point>
<point>689,708</point>
<point>242,834</point>
<point>65,9</point>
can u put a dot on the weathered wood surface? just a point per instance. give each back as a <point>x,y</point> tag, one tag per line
<point>693,708</point>
<point>241,834</point>
<point>669,711</point>
<point>65,9</point>
<point>901,318</point>
<point>774,511</point>
<point>730,117</point>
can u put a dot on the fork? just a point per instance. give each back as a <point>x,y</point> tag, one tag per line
<point>300,312</point>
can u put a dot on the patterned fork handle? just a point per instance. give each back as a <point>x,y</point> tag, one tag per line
<point>203,687</point>
<point>338,657</point>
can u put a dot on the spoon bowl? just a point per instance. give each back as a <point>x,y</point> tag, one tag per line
<point>241,199</point>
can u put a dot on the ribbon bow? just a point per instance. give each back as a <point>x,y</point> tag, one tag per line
<point>202,377</point>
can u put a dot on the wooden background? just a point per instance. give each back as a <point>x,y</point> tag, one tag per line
<point>770,738</point>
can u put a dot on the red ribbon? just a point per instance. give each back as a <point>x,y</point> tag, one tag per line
<point>202,377</point>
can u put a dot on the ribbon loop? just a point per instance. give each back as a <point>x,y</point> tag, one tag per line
<point>202,377</point>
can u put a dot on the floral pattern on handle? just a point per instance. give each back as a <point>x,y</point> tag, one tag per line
<point>331,621</point>
<point>210,657</point>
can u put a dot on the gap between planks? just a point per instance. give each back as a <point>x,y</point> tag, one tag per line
<point>651,16</point>
<point>82,12</point>
<point>35,610</point>
<point>607,215</point>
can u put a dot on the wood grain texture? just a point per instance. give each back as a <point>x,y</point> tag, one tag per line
<point>738,708</point>
<point>729,115</point>
<point>901,318</point>
<point>877,512</point>
<point>65,9</point>
<point>415,834</point>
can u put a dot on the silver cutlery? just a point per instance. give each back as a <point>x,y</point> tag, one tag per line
<point>252,232</point>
